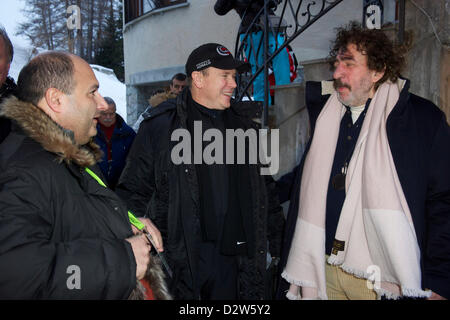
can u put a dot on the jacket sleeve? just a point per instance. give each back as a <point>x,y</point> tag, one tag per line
<point>285,185</point>
<point>275,220</point>
<point>32,266</point>
<point>437,250</point>
<point>137,181</point>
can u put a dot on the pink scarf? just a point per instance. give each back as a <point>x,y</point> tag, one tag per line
<point>375,224</point>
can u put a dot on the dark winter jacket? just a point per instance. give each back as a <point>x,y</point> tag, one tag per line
<point>121,141</point>
<point>7,89</point>
<point>56,222</point>
<point>419,139</point>
<point>169,195</point>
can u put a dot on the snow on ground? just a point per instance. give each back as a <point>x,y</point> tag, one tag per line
<point>110,86</point>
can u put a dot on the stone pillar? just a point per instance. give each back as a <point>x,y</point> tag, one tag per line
<point>137,100</point>
<point>428,60</point>
<point>290,116</point>
<point>132,103</point>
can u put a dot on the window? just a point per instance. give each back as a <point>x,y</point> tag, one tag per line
<point>136,8</point>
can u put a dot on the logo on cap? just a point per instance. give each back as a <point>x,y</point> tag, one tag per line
<point>223,51</point>
<point>203,64</point>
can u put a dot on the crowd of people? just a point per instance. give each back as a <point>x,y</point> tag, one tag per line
<point>91,210</point>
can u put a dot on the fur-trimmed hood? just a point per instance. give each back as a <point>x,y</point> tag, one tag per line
<point>51,136</point>
<point>159,98</point>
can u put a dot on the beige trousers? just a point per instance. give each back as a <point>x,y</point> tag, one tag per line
<point>344,286</point>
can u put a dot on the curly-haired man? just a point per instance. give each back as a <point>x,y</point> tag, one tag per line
<point>370,210</point>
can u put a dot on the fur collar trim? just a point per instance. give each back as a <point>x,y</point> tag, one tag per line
<point>51,136</point>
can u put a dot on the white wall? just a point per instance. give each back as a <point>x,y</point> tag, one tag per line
<point>165,39</point>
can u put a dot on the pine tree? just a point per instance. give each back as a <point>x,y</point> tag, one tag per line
<point>45,27</point>
<point>110,53</point>
<point>98,40</point>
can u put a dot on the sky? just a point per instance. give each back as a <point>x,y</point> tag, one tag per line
<point>10,17</point>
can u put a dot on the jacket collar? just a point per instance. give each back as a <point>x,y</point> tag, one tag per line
<point>401,104</point>
<point>246,109</point>
<point>51,136</point>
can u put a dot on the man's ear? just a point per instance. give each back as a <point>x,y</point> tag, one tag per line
<point>378,75</point>
<point>54,99</point>
<point>197,79</point>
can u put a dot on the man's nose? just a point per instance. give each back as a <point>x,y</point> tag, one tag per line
<point>232,82</point>
<point>338,71</point>
<point>101,103</point>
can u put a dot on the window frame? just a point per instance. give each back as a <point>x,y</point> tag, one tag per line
<point>134,9</point>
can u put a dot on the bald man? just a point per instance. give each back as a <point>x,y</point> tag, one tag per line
<point>54,214</point>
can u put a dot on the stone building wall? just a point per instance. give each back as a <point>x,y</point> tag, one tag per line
<point>429,58</point>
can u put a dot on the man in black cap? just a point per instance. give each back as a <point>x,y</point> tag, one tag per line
<point>215,218</point>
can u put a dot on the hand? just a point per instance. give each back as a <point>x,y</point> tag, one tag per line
<point>154,232</point>
<point>141,250</point>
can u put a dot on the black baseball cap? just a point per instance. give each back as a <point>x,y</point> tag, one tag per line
<point>214,55</point>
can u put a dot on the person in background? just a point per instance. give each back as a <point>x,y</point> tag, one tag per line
<point>177,84</point>
<point>114,137</point>
<point>158,96</point>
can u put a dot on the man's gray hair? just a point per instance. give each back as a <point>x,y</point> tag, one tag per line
<point>110,101</point>
<point>8,45</point>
